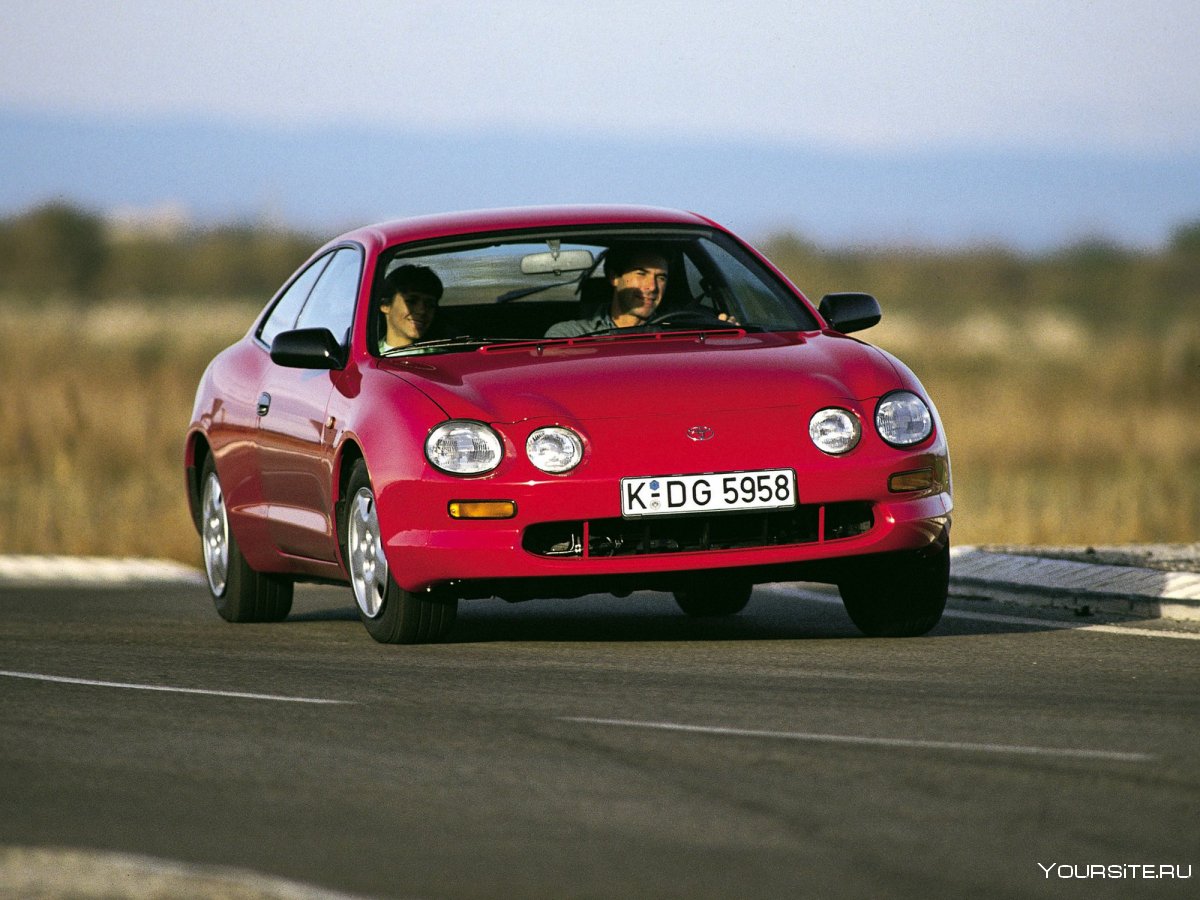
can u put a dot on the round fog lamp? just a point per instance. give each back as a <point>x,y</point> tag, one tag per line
<point>554,449</point>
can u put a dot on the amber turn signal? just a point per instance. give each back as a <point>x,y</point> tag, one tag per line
<point>917,480</point>
<point>482,509</point>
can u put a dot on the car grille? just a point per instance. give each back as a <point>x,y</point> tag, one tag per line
<point>683,534</point>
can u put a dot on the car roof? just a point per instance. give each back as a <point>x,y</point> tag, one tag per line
<point>419,228</point>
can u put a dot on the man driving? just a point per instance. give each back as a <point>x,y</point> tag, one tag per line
<point>638,277</point>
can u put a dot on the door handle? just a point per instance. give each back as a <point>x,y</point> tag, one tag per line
<point>264,403</point>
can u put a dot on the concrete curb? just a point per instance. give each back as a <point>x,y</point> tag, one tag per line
<point>1031,580</point>
<point>79,872</point>
<point>47,571</point>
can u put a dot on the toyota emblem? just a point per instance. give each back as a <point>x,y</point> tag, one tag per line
<point>700,433</point>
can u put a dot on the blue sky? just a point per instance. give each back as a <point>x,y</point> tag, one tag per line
<point>1046,121</point>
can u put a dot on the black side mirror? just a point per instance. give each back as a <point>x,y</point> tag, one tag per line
<point>850,311</point>
<point>308,348</point>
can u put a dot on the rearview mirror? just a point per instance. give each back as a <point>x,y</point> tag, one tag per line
<point>556,262</point>
<point>847,312</point>
<point>307,348</point>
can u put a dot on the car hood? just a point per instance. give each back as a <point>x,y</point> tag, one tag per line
<point>648,376</point>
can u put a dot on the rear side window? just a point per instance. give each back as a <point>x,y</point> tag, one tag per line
<point>331,302</point>
<point>287,309</point>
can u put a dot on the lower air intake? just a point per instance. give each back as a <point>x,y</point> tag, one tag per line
<point>691,534</point>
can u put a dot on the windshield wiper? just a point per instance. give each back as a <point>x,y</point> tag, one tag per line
<point>462,340</point>
<point>677,329</point>
<point>691,318</point>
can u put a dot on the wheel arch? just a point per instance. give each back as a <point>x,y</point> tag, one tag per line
<point>196,452</point>
<point>348,454</point>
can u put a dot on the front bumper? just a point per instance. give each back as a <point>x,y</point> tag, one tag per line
<point>486,558</point>
<point>568,535</point>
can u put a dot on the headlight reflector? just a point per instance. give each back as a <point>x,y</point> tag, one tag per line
<point>464,448</point>
<point>554,449</point>
<point>834,431</point>
<point>903,419</point>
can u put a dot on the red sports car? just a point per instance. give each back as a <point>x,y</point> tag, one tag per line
<point>556,402</point>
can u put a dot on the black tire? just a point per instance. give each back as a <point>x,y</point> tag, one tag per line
<point>239,593</point>
<point>898,595</point>
<point>391,614</point>
<point>718,597</point>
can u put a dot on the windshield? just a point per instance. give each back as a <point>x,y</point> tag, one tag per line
<point>576,284</point>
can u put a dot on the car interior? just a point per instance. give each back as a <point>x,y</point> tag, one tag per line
<point>516,290</point>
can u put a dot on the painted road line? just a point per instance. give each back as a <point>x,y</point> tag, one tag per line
<point>999,618</point>
<point>906,743</point>
<point>238,695</point>
<point>1126,630</point>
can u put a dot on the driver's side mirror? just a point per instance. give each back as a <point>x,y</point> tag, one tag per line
<point>849,312</point>
<point>308,348</point>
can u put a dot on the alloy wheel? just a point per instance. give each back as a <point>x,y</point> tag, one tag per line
<point>215,535</point>
<point>368,565</point>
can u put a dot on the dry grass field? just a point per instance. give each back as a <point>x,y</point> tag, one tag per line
<point>1059,434</point>
<point>96,402</point>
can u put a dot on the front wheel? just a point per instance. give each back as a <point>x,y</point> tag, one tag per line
<point>239,593</point>
<point>391,614</point>
<point>898,595</point>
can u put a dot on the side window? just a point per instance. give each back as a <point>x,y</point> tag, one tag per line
<point>697,285</point>
<point>283,316</point>
<point>754,298</point>
<point>331,303</point>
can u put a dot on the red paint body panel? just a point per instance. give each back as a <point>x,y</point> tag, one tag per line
<point>632,399</point>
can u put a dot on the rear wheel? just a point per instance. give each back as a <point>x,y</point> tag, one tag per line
<point>391,614</point>
<point>239,593</point>
<point>899,595</point>
<point>716,598</point>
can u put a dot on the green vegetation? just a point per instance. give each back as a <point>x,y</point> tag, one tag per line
<point>1101,285</point>
<point>61,251</point>
<point>1068,382</point>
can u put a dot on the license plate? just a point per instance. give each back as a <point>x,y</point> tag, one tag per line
<point>667,495</point>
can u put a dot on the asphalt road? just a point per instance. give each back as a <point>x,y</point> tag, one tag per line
<point>601,748</point>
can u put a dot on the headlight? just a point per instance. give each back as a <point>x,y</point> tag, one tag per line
<point>834,431</point>
<point>903,419</point>
<point>464,448</point>
<point>554,449</point>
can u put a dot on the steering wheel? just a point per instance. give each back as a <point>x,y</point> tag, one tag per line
<point>690,317</point>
